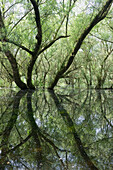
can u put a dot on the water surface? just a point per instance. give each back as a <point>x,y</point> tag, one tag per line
<point>62,130</point>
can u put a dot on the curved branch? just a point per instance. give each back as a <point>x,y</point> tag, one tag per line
<point>11,7</point>
<point>52,42</point>
<point>18,45</point>
<point>59,26</point>
<point>11,58</point>
<point>107,56</point>
<point>38,23</point>
<point>16,75</point>
<point>11,76</point>
<point>101,38</point>
<point>21,143</point>
<point>37,46</point>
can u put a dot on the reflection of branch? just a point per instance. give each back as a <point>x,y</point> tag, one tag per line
<point>52,144</point>
<point>84,102</point>
<point>21,143</point>
<point>24,165</point>
<point>14,116</point>
<point>21,139</point>
<point>100,140</point>
<point>108,121</point>
<point>34,128</point>
<point>36,132</point>
<point>71,127</point>
<point>55,148</point>
<point>10,125</point>
<point>5,111</point>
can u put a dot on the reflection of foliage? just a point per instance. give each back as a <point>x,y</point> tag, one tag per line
<point>45,131</point>
<point>66,29</point>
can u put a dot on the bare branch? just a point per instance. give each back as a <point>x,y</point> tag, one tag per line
<point>16,74</point>
<point>38,23</point>
<point>18,45</point>
<point>59,27</point>
<point>20,20</point>
<point>101,38</point>
<point>68,17</point>
<point>11,7</point>
<point>107,56</point>
<point>21,143</point>
<point>51,43</point>
<point>11,76</point>
<point>37,46</point>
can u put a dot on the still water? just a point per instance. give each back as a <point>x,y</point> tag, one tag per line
<point>61,130</point>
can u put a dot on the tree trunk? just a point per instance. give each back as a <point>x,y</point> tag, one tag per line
<point>14,66</point>
<point>29,73</point>
<point>10,57</point>
<point>37,46</point>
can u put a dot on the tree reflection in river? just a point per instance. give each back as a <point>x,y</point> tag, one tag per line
<point>63,130</point>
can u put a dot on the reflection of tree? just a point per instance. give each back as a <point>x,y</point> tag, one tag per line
<point>42,132</point>
<point>35,130</point>
<point>7,108</point>
<point>70,124</point>
<point>38,140</point>
<point>102,100</point>
<point>40,137</point>
<point>9,127</point>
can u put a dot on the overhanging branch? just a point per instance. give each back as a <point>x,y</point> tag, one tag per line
<point>101,38</point>
<point>18,45</point>
<point>52,42</point>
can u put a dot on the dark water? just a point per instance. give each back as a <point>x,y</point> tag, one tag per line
<point>63,130</point>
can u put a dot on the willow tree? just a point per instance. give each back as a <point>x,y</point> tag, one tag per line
<point>35,40</point>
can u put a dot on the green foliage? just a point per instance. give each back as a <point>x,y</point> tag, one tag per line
<point>20,29</point>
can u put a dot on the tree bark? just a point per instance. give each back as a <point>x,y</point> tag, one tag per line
<point>16,75</point>
<point>29,73</point>
<point>37,47</point>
